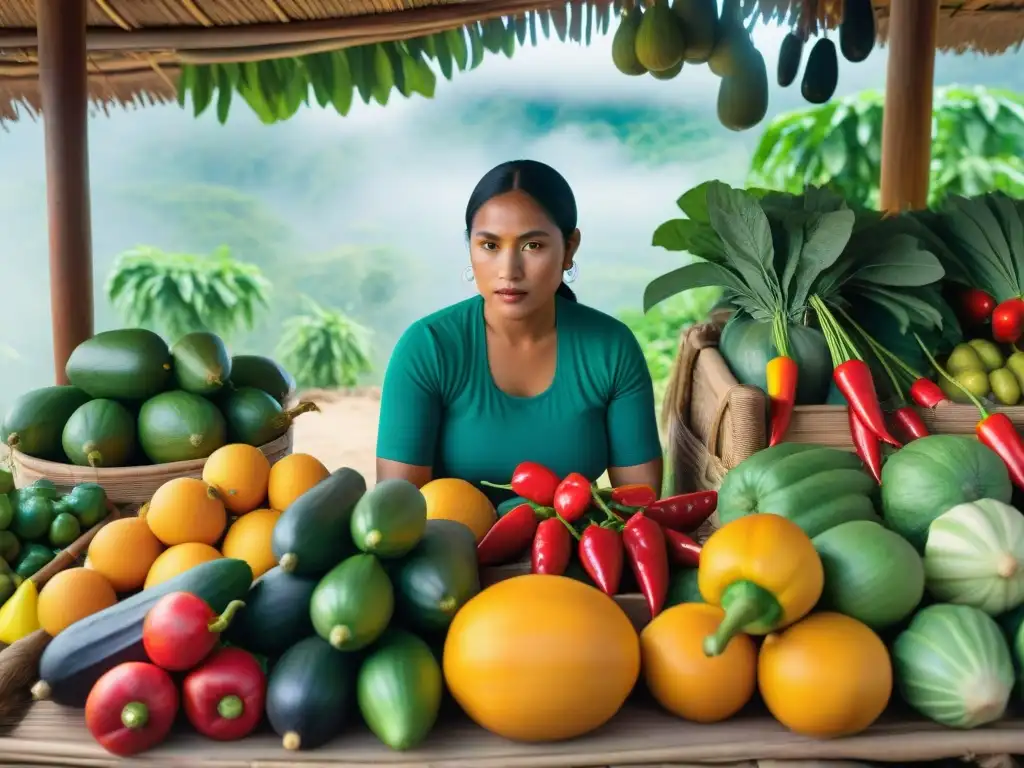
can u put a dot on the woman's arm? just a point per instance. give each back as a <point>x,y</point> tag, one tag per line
<point>634,447</point>
<point>410,409</point>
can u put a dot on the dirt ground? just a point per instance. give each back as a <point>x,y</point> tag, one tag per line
<point>343,433</point>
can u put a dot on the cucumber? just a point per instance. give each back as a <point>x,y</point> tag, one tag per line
<point>262,373</point>
<point>313,534</point>
<point>353,603</point>
<point>276,614</point>
<point>35,421</point>
<point>311,693</point>
<point>77,657</point>
<point>390,520</point>
<point>399,690</point>
<point>438,577</point>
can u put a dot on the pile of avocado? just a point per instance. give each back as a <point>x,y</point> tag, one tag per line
<point>36,523</point>
<point>353,619</point>
<point>134,401</point>
<point>980,367</point>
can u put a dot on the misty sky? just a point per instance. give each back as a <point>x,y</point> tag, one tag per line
<point>410,189</point>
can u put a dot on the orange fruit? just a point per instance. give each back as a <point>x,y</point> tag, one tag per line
<point>248,539</point>
<point>177,560</point>
<point>72,595</point>
<point>449,498</point>
<point>291,477</point>
<point>123,551</point>
<point>186,510</point>
<point>241,474</point>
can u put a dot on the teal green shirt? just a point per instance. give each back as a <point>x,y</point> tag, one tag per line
<point>441,408</point>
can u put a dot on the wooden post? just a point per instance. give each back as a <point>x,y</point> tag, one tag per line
<point>65,101</point>
<point>907,117</point>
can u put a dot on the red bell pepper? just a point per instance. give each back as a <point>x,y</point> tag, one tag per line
<point>180,630</point>
<point>509,537</point>
<point>533,481</point>
<point>572,497</point>
<point>224,696</point>
<point>552,547</point>
<point>131,708</point>
<point>910,423</point>
<point>648,557</point>
<point>636,495</point>
<point>600,552</point>
<point>682,550</point>
<point>926,393</point>
<point>866,444</point>
<point>686,512</point>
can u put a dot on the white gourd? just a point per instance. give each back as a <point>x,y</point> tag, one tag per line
<point>975,556</point>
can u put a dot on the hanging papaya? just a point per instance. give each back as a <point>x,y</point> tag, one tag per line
<point>669,73</point>
<point>743,97</point>
<point>624,44</point>
<point>699,20</point>
<point>660,43</point>
<point>790,53</point>
<point>731,48</point>
<point>821,75</point>
<point>857,30</point>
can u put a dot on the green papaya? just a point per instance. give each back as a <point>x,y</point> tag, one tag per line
<point>399,690</point>
<point>101,433</point>
<point>254,417</point>
<point>821,75</point>
<point>353,603</point>
<point>699,20</point>
<point>660,43</point>
<point>180,426</point>
<point>857,30</point>
<point>624,43</point>
<point>262,373</point>
<point>668,74</point>
<point>201,363</point>
<point>126,364</point>
<point>731,49</point>
<point>790,53</point>
<point>35,421</point>
<point>743,97</point>
<point>390,520</point>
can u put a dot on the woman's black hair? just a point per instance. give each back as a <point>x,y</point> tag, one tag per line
<point>543,183</point>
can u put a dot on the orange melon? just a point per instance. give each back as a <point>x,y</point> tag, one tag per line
<point>248,539</point>
<point>70,596</point>
<point>123,551</point>
<point>449,498</point>
<point>291,477</point>
<point>240,473</point>
<point>186,510</point>
<point>177,560</point>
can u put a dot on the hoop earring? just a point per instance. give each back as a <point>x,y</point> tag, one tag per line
<point>572,273</point>
<point>467,274</point>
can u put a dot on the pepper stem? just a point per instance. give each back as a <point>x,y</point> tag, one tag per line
<point>135,715</point>
<point>230,707</point>
<point>612,517</point>
<point>745,605</point>
<point>222,622</point>
<point>568,525</point>
<point>944,374</point>
<point>496,485</point>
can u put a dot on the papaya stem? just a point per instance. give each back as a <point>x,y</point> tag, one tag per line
<point>134,715</point>
<point>339,635</point>
<point>230,707</point>
<point>222,622</point>
<point>745,604</point>
<point>448,604</point>
<point>373,539</point>
<point>289,562</point>
<point>291,741</point>
<point>41,691</point>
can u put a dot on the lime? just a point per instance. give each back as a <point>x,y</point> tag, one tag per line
<point>33,557</point>
<point>6,587</point>
<point>6,481</point>
<point>64,529</point>
<point>32,518</point>
<point>10,547</point>
<point>43,487</point>
<point>6,512</point>
<point>88,502</point>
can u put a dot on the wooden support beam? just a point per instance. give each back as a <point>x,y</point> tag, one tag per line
<point>65,102</point>
<point>907,118</point>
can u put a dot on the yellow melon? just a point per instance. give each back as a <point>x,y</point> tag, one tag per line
<point>241,474</point>
<point>291,477</point>
<point>70,596</point>
<point>123,551</point>
<point>449,498</point>
<point>248,539</point>
<point>186,510</point>
<point>177,560</point>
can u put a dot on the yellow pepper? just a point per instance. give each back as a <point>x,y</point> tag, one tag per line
<point>763,571</point>
<point>18,616</point>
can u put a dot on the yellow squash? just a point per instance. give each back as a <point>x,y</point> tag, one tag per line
<point>764,573</point>
<point>19,615</point>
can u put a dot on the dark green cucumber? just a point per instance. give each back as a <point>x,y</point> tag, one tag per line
<point>101,433</point>
<point>201,363</point>
<point>353,604</point>
<point>390,520</point>
<point>35,421</point>
<point>256,418</point>
<point>313,534</point>
<point>262,373</point>
<point>276,614</point>
<point>77,657</point>
<point>126,364</point>
<point>438,577</point>
<point>400,689</point>
<point>311,693</point>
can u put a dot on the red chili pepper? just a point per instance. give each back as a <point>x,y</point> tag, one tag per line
<point>648,557</point>
<point>868,448</point>
<point>682,550</point>
<point>975,306</point>
<point>998,433</point>
<point>910,423</point>
<point>781,374</point>
<point>572,497</point>
<point>131,708</point>
<point>1008,320</point>
<point>854,380</point>
<point>509,537</point>
<point>180,630</point>
<point>552,548</point>
<point>224,696</point>
<point>926,393</point>
<point>600,551</point>
<point>685,512</point>
<point>532,481</point>
<point>634,495</point>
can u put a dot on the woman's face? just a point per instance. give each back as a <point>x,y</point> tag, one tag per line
<point>518,254</point>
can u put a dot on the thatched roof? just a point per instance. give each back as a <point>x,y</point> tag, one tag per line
<point>137,47</point>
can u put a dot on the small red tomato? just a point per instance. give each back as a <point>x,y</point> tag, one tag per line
<point>180,630</point>
<point>131,708</point>
<point>975,306</point>
<point>1008,321</point>
<point>223,697</point>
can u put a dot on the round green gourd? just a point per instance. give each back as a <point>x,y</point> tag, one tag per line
<point>953,665</point>
<point>975,556</point>
<point>871,574</point>
<point>932,475</point>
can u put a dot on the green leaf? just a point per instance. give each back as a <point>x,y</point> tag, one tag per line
<point>224,91</point>
<point>690,236</point>
<point>746,235</point>
<point>900,262</point>
<point>701,275</point>
<point>694,203</point>
<point>341,83</point>
<point>443,55</point>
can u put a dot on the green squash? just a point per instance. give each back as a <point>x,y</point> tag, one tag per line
<point>100,433</point>
<point>817,488</point>
<point>180,426</point>
<point>747,346</point>
<point>975,556</point>
<point>932,475</point>
<point>953,665</point>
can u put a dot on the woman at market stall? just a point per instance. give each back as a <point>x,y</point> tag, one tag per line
<point>521,372</point>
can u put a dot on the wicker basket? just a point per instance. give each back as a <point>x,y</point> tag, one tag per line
<point>714,422</point>
<point>130,487</point>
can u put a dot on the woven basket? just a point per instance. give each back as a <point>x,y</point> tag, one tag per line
<point>130,487</point>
